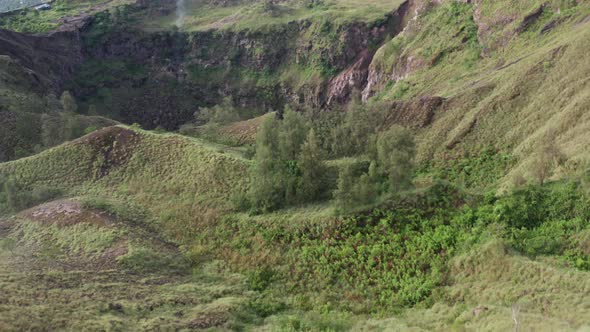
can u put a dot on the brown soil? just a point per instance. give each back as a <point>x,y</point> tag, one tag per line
<point>67,213</point>
<point>416,113</point>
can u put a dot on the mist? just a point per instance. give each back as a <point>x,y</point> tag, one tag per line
<point>180,12</point>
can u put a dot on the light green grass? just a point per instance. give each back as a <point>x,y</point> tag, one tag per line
<point>33,21</point>
<point>201,15</point>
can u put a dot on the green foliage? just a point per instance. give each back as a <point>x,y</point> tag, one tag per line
<point>391,171</point>
<point>294,129</point>
<point>260,279</point>
<point>395,157</point>
<point>68,102</point>
<point>472,171</point>
<point>15,197</point>
<point>313,170</point>
<point>223,113</point>
<point>289,166</point>
<point>355,191</point>
<point>392,257</point>
<point>399,255</point>
<point>352,135</point>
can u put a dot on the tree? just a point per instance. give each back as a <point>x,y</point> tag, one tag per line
<point>266,190</point>
<point>344,192</point>
<point>395,157</point>
<point>351,137</point>
<point>313,170</point>
<point>292,134</point>
<point>68,102</point>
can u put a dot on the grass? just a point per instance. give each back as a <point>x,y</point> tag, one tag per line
<point>43,21</point>
<point>166,199</point>
<point>423,260</point>
<point>203,16</point>
<point>512,94</point>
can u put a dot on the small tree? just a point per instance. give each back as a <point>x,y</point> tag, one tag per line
<point>292,134</point>
<point>266,192</point>
<point>395,153</point>
<point>223,113</point>
<point>68,102</point>
<point>313,170</point>
<point>351,136</point>
<point>344,192</point>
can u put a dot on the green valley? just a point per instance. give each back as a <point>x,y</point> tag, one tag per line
<point>295,165</point>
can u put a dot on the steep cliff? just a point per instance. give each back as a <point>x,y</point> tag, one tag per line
<point>311,63</point>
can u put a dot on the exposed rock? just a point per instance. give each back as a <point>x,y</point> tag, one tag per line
<point>50,60</point>
<point>352,78</point>
<point>530,19</point>
<point>378,77</point>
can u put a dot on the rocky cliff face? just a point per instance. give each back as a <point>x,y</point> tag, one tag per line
<point>49,60</point>
<point>259,69</point>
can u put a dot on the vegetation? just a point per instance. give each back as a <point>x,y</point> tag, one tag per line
<point>242,15</point>
<point>31,20</point>
<point>401,211</point>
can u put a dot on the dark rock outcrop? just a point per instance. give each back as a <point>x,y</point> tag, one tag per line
<point>51,59</point>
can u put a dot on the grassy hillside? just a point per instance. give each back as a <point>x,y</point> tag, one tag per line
<point>311,220</point>
<point>67,256</point>
<point>509,95</point>
<point>430,249</point>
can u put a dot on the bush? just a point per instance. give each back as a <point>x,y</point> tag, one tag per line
<point>219,114</point>
<point>260,279</point>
